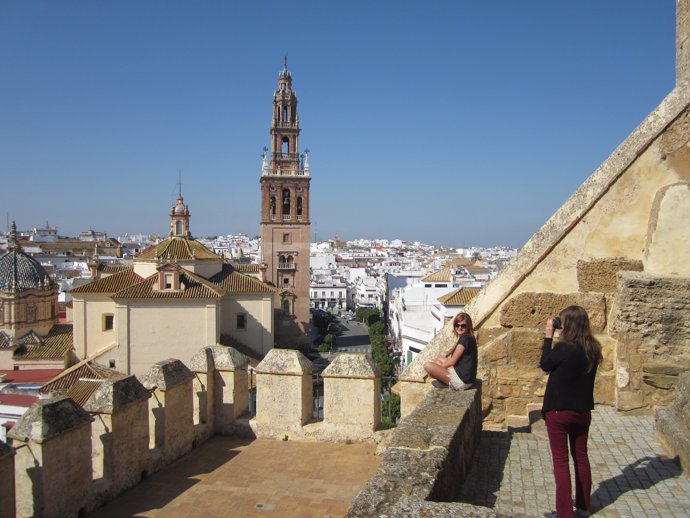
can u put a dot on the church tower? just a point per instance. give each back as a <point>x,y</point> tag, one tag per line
<point>285,224</point>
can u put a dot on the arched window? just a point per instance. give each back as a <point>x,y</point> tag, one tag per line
<point>286,307</point>
<point>178,228</point>
<point>285,146</point>
<point>299,205</point>
<point>281,259</point>
<point>286,201</point>
<point>285,114</point>
<point>273,206</point>
<point>290,259</point>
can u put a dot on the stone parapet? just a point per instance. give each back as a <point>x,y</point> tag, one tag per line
<point>53,461</point>
<point>120,437</point>
<point>429,457</point>
<point>171,428</point>
<point>352,402</point>
<point>220,391</point>
<point>7,504</point>
<point>284,393</point>
<point>673,423</point>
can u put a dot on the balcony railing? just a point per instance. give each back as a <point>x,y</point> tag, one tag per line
<point>285,156</point>
<point>285,124</point>
<point>285,172</point>
<point>286,217</point>
<point>286,266</point>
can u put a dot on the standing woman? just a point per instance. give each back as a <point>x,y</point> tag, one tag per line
<point>458,368</point>
<point>568,401</point>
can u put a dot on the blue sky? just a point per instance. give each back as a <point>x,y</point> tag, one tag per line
<point>450,122</point>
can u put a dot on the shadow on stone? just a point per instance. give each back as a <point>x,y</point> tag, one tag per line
<point>641,474</point>
<point>484,480</point>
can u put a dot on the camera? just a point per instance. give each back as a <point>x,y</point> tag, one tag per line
<point>556,323</point>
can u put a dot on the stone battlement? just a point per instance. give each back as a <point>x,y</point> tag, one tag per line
<point>69,459</point>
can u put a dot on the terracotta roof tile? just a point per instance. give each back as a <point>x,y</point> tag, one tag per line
<point>442,275</point>
<point>459,297</point>
<point>55,345</point>
<point>233,281</point>
<point>247,267</point>
<point>178,248</point>
<point>82,390</point>
<point>84,370</point>
<point>194,287</point>
<point>110,284</point>
<point>112,268</point>
<point>5,341</point>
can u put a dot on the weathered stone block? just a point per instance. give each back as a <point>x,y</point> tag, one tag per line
<point>352,388</point>
<point>429,456</point>
<point>496,351</point>
<point>525,347</point>
<point>533,309</point>
<point>599,275</point>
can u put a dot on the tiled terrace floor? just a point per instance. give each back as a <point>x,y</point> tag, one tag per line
<point>244,478</point>
<point>512,474</point>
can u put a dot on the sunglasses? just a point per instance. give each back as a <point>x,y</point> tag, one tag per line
<point>461,326</point>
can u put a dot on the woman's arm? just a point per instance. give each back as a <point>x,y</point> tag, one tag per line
<point>548,360</point>
<point>453,358</point>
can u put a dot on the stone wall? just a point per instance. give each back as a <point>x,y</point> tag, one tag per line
<point>673,423</point>
<point>427,461</point>
<point>70,459</point>
<point>652,329</point>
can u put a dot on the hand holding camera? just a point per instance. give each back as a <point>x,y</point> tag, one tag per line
<point>551,325</point>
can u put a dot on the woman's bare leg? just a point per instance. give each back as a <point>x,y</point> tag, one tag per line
<point>437,372</point>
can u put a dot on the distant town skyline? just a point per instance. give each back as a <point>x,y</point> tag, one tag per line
<point>452,123</point>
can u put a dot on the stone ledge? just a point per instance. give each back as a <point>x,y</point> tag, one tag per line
<point>429,457</point>
<point>673,436</point>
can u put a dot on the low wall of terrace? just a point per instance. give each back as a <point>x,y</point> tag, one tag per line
<point>67,459</point>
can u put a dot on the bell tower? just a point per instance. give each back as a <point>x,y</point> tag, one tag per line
<point>285,224</point>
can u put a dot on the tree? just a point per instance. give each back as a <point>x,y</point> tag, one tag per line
<point>390,408</point>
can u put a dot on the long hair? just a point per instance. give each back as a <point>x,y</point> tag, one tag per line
<point>464,318</point>
<point>576,330</point>
<point>460,318</point>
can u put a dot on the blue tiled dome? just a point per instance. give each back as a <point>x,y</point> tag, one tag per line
<point>22,272</point>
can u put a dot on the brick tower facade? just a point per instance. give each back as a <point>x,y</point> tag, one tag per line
<point>285,223</point>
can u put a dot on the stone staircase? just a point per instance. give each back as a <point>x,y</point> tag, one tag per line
<point>532,422</point>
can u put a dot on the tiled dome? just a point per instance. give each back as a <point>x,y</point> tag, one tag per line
<point>22,272</point>
<point>19,271</point>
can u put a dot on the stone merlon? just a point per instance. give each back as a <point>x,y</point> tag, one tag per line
<point>166,374</point>
<point>218,357</point>
<point>353,366</point>
<point>285,361</point>
<point>49,418</point>
<point>114,394</point>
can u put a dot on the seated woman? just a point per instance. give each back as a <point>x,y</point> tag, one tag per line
<point>458,368</point>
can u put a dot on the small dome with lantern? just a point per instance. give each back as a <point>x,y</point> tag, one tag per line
<point>19,271</point>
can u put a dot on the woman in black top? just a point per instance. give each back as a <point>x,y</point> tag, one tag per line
<point>458,368</point>
<point>568,401</point>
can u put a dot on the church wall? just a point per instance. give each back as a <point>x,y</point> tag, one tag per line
<point>259,317</point>
<point>174,330</point>
<point>89,333</point>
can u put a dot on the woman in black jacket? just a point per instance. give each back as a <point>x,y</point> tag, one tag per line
<point>568,401</point>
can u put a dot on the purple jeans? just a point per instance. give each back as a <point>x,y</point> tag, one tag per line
<point>570,426</point>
